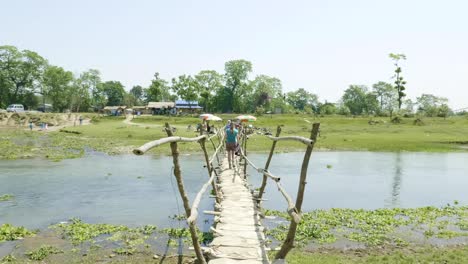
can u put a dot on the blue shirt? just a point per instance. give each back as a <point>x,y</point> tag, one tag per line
<point>231,136</point>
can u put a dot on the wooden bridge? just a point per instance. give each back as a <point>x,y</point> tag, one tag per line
<point>238,232</point>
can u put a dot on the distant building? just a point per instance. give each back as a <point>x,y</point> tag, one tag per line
<point>183,106</point>
<point>142,109</point>
<point>161,108</point>
<point>114,110</point>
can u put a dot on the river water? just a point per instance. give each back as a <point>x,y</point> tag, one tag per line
<point>139,190</point>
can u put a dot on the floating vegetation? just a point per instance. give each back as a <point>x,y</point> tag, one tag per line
<point>375,227</point>
<point>79,232</point>
<point>43,252</point>
<point>130,239</point>
<point>9,232</point>
<point>6,197</point>
<point>8,258</point>
<point>329,166</point>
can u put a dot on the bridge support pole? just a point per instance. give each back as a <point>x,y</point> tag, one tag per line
<point>183,194</point>
<point>265,178</point>
<point>210,168</point>
<point>289,241</point>
<point>245,153</point>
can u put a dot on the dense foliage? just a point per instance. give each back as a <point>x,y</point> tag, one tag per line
<point>29,79</point>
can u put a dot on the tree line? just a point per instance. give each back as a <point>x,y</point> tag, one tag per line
<point>29,79</point>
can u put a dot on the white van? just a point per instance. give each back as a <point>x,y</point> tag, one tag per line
<point>15,108</point>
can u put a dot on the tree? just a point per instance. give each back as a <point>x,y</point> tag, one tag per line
<point>237,88</point>
<point>91,81</point>
<point>20,74</point>
<point>137,93</point>
<point>358,101</point>
<point>301,98</point>
<point>265,89</point>
<point>209,84</point>
<point>399,82</point>
<point>114,92</point>
<point>57,86</point>
<point>158,90</point>
<point>327,109</point>
<point>186,88</point>
<point>430,105</point>
<point>387,97</point>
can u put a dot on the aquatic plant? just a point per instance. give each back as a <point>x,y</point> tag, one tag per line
<point>78,231</point>
<point>43,252</point>
<point>374,227</point>
<point>9,232</point>
<point>6,197</point>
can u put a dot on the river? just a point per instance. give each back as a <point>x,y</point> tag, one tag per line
<point>139,190</point>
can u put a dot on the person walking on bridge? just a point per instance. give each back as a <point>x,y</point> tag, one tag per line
<point>231,143</point>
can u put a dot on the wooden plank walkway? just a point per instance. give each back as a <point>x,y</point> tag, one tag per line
<point>239,236</point>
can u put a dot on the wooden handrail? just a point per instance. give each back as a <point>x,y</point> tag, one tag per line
<point>292,211</point>
<point>306,141</point>
<point>143,149</point>
<point>217,149</point>
<point>194,212</point>
<point>260,170</point>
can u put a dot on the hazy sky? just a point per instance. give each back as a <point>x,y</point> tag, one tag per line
<point>323,46</point>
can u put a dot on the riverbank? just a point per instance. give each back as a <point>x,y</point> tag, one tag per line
<point>75,241</point>
<point>115,135</point>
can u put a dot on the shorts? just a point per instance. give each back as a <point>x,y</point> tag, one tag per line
<point>231,146</point>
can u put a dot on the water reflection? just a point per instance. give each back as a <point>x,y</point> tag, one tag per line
<point>396,183</point>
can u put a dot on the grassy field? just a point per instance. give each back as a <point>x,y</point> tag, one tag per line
<point>113,136</point>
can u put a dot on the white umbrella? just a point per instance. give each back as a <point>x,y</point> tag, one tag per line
<point>210,117</point>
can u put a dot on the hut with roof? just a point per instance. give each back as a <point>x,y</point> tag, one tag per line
<point>161,108</point>
<point>184,106</point>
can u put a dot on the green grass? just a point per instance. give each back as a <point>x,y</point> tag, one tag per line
<point>111,135</point>
<point>449,255</point>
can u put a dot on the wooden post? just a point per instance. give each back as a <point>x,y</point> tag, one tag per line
<point>289,241</point>
<point>214,147</point>
<point>272,150</point>
<point>208,166</point>
<point>180,185</point>
<point>245,153</point>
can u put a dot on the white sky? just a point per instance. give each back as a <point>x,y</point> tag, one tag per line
<point>323,46</point>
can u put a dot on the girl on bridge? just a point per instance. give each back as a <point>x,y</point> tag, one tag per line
<point>231,142</point>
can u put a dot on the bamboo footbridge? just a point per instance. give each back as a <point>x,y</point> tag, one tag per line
<point>238,232</point>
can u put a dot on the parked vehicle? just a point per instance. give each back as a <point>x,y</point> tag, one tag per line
<point>15,108</point>
<point>45,108</point>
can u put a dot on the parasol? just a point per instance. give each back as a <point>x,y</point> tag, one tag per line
<point>246,118</point>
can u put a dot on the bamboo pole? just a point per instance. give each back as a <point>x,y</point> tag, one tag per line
<point>272,150</point>
<point>289,241</point>
<point>214,147</point>
<point>292,211</point>
<point>194,211</point>
<point>245,153</point>
<point>180,185</point>
<point>141,150</point>
<point>306,141</point>
<point>209,167</point>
